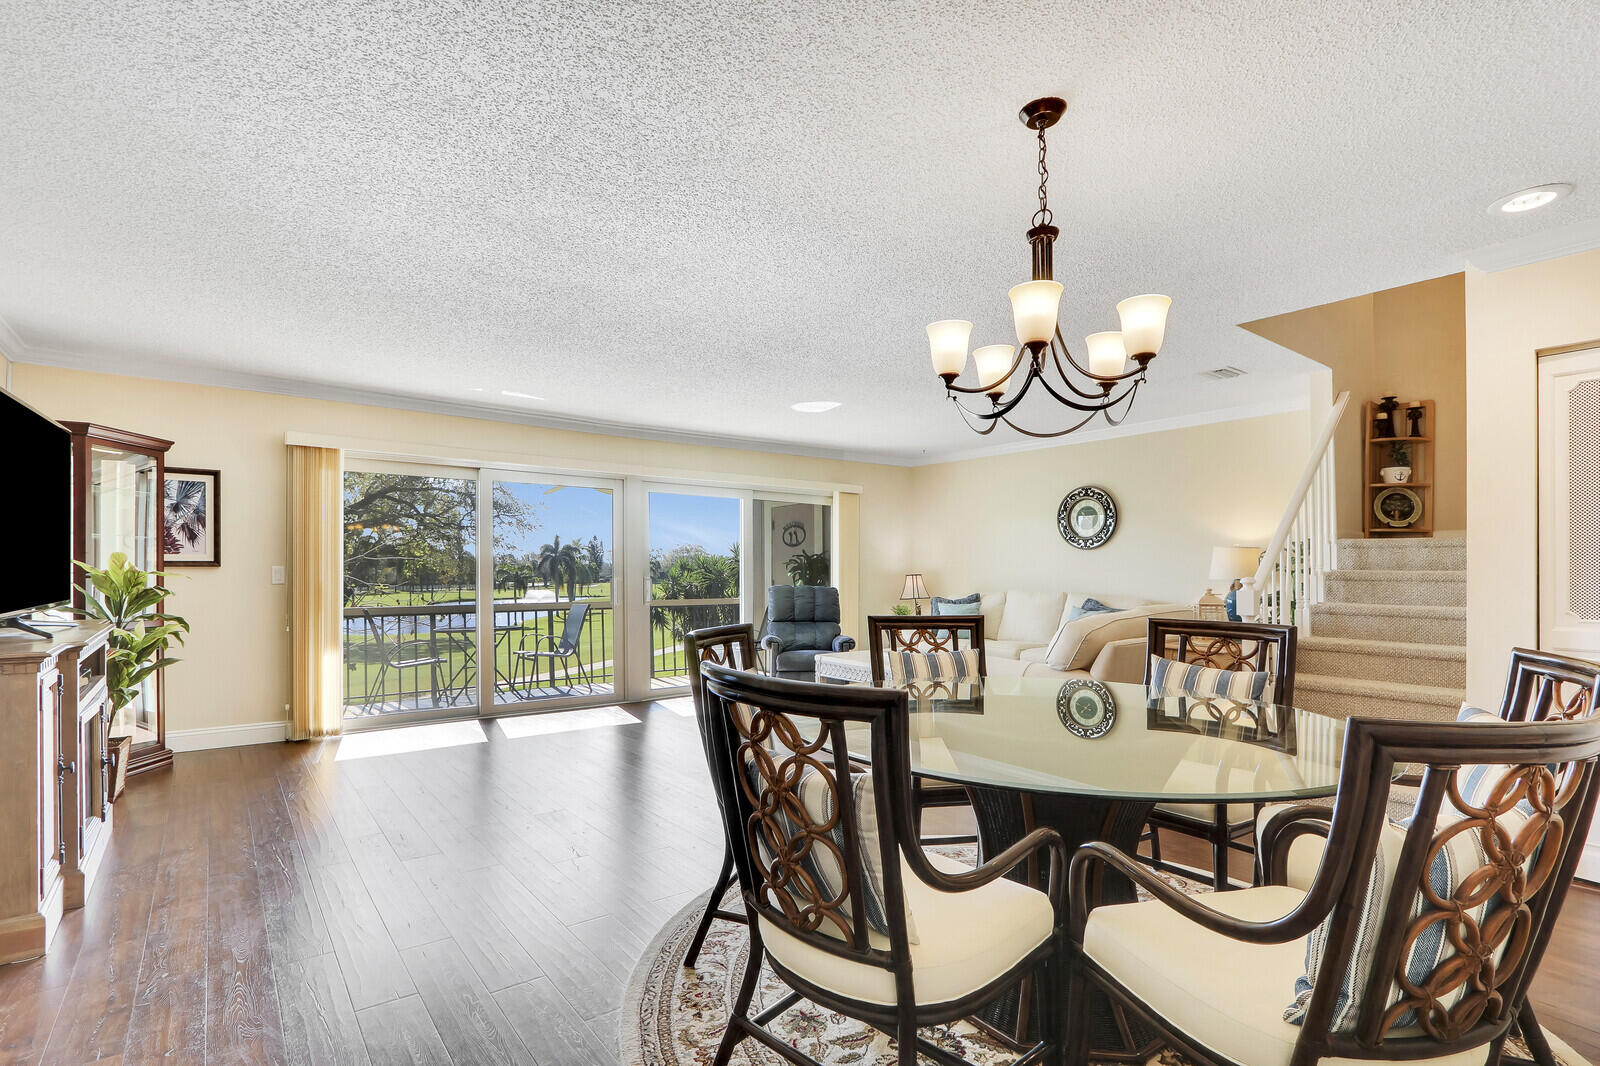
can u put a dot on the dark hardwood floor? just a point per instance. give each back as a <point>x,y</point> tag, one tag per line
<point>472,903</point>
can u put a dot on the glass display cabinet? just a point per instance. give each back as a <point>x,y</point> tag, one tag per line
<point>116,487</point>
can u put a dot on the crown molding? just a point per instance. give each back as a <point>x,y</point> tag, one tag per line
<point>1535,248</point>
<point>158,369</point>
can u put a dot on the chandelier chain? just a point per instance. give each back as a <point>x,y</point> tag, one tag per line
<point>1043,216</point>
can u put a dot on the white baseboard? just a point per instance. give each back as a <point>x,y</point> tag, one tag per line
<point>227,736</point>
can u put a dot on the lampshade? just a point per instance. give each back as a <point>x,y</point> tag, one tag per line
<point>1228,563</point>
<point>1034,305</point>
<point>993,361</point>
<point>948,341</point>
<point>914,588</point>
<point>1107,356</point>
<point>1144,323</point>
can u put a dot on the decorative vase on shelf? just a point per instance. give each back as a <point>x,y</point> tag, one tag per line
<point>1395,475</point>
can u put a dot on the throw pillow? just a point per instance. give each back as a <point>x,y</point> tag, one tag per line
<point>1457,861</point>
<point>824,865</point>
<point>904,666</point>
<point>971,604</point>
<point>1090,606</point>
<point>1169,677</point>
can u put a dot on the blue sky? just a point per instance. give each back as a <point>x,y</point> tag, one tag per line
<point>580,513</point>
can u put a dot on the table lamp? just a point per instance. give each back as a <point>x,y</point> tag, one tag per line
<point>1231,564</point>
<point>915,591</point>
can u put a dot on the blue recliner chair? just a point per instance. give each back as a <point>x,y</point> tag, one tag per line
<point>802,623</point>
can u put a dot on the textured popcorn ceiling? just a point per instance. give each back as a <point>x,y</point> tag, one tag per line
<point>687,216</point>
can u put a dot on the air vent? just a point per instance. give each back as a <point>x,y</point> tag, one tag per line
<point>1223,373</point>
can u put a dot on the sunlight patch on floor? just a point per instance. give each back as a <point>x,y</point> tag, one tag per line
<point>409,738</point>
<point>683,706</point>
<point>551,722</point>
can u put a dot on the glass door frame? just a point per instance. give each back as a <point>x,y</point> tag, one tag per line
<point>487,476</point>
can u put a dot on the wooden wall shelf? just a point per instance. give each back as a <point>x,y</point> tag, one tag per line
<point>1377,452</point>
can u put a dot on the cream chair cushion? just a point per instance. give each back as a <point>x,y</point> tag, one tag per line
<point>1207,812</point>
<point>1225,995</point>
<point>1008,649</point>
<point>1305,852</point>
<point>968,939</point>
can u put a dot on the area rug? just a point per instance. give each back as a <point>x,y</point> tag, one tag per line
<point>673,1016</point>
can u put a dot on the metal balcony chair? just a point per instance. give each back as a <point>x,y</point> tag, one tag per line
<point>414,654</point>
<point>554,649</point>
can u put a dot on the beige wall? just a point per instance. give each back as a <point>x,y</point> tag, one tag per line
<point>1408,342</point>
<point>1512,316</point>
<point>236,667</point>
<point>991,523</point>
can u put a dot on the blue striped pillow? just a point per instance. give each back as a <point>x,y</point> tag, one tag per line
<point>1169,677</point>
<point>1456,860</point>
<point>904,665</point>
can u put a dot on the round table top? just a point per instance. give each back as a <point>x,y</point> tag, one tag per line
<point>1119,741</point>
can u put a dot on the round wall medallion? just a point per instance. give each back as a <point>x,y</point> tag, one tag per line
<point>1086,708</point>
<point>1397,507</point>
<point>794,534</point>
<point>1088,517</point>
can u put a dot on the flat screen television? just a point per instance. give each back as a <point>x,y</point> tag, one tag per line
<point>36,535</point>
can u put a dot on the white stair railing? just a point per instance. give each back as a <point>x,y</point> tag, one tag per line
<point>1291,575</point>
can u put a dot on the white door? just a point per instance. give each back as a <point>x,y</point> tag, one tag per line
<point>1569,519</point>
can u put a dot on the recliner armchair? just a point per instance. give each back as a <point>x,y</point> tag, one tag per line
<point>802,623</point>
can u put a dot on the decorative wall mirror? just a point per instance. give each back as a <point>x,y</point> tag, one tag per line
<point>1088,517</point>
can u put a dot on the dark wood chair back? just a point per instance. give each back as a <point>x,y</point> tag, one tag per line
<point>800,872</point>
<point>730,645</point>
<point>924,633</point>
<point>1228,646</point>
<point>1545,771</point>
<point>1542,685</point>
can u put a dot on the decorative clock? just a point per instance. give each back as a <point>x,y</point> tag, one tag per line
<point>1087,517</point>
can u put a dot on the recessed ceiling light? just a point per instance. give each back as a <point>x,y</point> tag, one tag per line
<point>520,395</point>
<point>1528,199</point>
<point>814,407</point>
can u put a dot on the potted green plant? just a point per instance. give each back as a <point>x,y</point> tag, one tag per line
<point>900,609</point>
<point>1398,472</point>
<point>808,568</point>
<point>127,597</point>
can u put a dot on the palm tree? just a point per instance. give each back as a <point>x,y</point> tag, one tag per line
<point>558,562</point>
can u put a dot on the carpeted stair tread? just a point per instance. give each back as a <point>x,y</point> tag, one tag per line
<point>1392,610</point>
<point>1396,648</point>
<point>1384,690</point>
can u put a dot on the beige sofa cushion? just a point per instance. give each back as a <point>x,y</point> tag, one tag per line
<point>1029,616</point>
<point>1121,603</point>
<point>1078,642</point>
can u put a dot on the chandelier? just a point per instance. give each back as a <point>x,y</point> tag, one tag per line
<point>1108,382</point>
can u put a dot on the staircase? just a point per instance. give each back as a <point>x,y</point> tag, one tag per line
<point>1390,638</point>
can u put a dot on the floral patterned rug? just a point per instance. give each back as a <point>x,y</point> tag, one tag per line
<point>673,1016</point>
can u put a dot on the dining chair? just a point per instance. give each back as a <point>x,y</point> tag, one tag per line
<point>1221,664</point>
<point>1411,943</point>
<point>401,654</point>
<point>734,646</point>
<point>1540,686</point>
<point>942,649</point>
<point>554,649</point>
<point>845,905</point>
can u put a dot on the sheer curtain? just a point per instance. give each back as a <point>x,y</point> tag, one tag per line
<point>315,591</point>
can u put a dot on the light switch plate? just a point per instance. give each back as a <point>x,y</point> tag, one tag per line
<point>277,575</point>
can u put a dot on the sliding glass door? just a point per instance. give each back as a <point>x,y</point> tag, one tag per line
<point>553,586</point>
<point>694,539</point>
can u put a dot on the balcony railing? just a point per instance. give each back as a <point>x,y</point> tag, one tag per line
<point>422,658</point>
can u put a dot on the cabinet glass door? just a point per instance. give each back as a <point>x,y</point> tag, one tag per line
<point>121,517</point>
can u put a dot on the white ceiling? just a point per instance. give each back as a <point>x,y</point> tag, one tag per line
<point>686,216</point>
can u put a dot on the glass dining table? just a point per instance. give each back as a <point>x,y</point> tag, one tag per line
<point>1091,759</point>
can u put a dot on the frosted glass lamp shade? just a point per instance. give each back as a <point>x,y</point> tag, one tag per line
<point>948,342</point>
<point>914,588</point>
<point>1228,563</point>
<point>1034,305</point>
<point>1144,323</point>
<point>1107,356</point>
<point>993,362</point>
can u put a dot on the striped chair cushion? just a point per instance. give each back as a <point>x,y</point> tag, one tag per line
<point>1460,857</point>
<point>953,666</point>
<point>1169,677</point>
<point>822,864</point>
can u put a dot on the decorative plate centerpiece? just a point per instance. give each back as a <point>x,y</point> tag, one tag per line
<point>1397,507</point>
<point>1087,517</point>
<point>1086,708</point>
